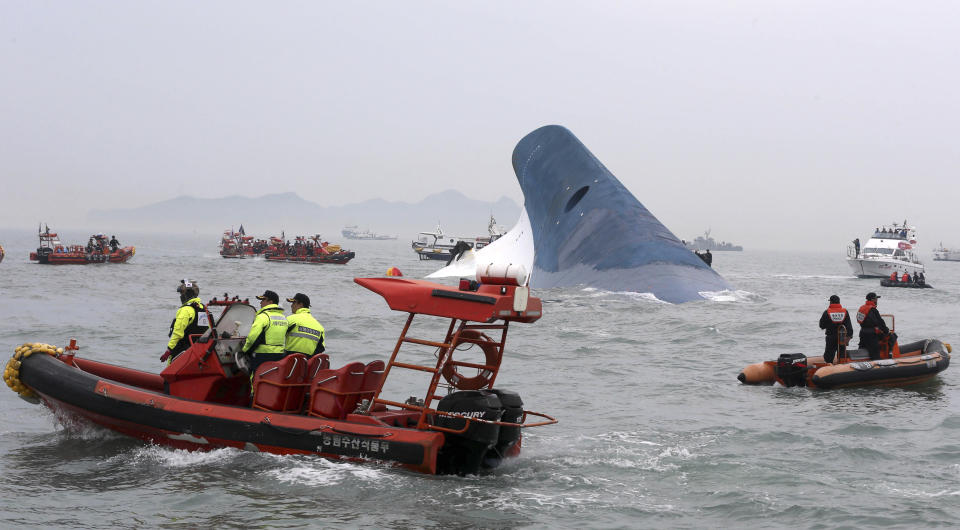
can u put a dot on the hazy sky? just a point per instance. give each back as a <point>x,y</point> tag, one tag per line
<point>778,124</point>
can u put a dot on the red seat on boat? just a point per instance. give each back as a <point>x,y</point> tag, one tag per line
<point>372,376</point>
<point>333,393</point>
<point>320,361</point>
<point>280,385</point>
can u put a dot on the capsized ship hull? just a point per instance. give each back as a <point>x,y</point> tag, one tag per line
<point>588,229</point>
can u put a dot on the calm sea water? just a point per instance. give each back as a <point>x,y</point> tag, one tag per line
<point>655,430</point>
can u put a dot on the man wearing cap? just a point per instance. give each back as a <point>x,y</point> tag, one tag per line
<point>833,319</point>
<point>871,326</point>
<point>304,333</point>
<point>266,338</point>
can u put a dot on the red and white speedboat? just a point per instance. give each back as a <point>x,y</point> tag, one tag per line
<point>203,399</point>
<point>51,251</point>
<point>892,249</point>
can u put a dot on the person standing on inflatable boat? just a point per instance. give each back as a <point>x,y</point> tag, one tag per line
<point>191,319</point>
<point>834,318</point>
<point>871,326</point>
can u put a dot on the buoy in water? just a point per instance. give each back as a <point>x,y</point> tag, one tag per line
<point>393,271</point>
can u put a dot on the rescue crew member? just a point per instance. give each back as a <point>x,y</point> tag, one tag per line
<point>114,244</point>
<point>893,276</point>
<point>191,319</point>
<point>871,326</point>
<point>304,334</point>
<point>834,318</point>
<point>266,338</point>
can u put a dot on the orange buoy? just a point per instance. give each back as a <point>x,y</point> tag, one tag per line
<point>393,271</point>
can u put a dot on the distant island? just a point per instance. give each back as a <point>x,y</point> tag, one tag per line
<point>291,213</point>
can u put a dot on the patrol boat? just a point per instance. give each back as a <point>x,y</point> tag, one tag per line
<point>461,423</point>
<point>898,365</point>
<point>892,249</point>
<point>51,251</point>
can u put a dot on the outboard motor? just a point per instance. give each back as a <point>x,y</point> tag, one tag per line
<point>792,369</point>
<point>509,436</point>
<point>463,453</point>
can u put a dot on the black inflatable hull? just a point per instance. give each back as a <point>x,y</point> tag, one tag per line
<point>906,285</point>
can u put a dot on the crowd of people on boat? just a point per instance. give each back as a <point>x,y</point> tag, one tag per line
<point>835,321</point>
<point>303,246</point>
<point>917,279</point>
<point>98,244</point>
<point>272,335</point>
<point>890,232</point>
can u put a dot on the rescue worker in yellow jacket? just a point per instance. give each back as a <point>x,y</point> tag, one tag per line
<point>304,334</point>
<point>265,342</point>
<point>191,319</point>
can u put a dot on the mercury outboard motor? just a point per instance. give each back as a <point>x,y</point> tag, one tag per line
<point>792,369</point>
<point>509,436</point>
<point>463,453</point>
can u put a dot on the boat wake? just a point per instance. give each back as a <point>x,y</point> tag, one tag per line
<point>320,472</point>
<point>814,276</point>
<point>182,458</point>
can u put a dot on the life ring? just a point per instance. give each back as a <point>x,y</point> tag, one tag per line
<point>482,379</point>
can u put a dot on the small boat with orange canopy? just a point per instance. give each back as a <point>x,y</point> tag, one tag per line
<point>98,250</point>
<point>898,365</point>
<point>461,423</point>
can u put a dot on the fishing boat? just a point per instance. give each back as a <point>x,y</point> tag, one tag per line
<point>898,365</point>
<point>300,405</point>
<point>354,232</point>
<point>892,248</point>
<point>312,250</point>
<point>98,250</point>
<point>942,253</point>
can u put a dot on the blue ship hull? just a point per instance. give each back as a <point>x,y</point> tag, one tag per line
<point>589,230</point>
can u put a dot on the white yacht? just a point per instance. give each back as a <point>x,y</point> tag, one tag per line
<point>892,248</point>
<point>945,254</point>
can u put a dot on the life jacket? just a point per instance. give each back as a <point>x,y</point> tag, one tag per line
<point>304,333</point>
<point>273,331</point>
<point>905,277</point>
<point>893,276</point>
<point>864,309</point>
<point>837,313</point>
<point>197,326</point>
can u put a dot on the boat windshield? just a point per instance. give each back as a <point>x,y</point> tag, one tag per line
<point>890,234</point>
<point>875,250</point>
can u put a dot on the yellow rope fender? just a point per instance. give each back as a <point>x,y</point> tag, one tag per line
<point>11,374</point>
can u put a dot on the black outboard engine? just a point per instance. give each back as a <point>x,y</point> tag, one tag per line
<point>463,453</point>
<point>792,369</point>
<point>509,436</point>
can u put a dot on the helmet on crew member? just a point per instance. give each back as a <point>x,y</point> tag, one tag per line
<point>188,289</point>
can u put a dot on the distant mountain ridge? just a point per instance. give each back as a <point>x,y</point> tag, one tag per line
<point>269,214</point>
